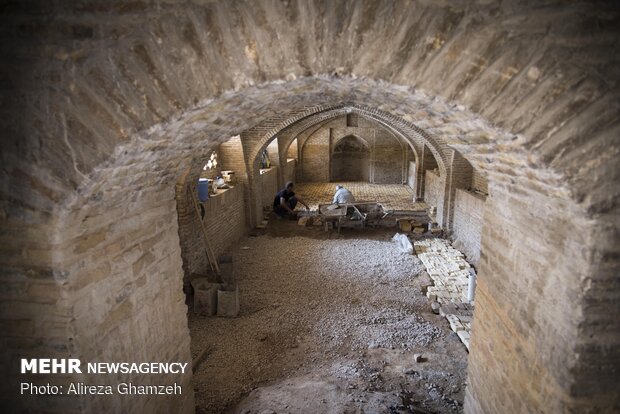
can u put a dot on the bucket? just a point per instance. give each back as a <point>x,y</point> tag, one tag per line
<point>203,189</point>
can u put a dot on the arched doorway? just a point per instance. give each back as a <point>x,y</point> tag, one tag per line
<point>350,160</point>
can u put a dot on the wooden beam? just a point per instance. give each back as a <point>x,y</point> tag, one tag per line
<point>210,254</point>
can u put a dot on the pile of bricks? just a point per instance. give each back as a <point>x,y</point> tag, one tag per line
<point>460,316</point>
<point>449,271</point>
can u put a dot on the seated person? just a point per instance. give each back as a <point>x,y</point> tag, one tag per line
<point>285,201</point>
<point>343,196</point>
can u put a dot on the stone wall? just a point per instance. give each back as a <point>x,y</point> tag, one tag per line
<point>434,193</point>
<point>468,219</point>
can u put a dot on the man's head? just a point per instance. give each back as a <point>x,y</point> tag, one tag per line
<point>338,187</point>
<point>289,186</point>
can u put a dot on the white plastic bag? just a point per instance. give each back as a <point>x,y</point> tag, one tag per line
<point>403,243</point>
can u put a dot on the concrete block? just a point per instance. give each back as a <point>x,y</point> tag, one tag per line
<point>205,297</point>
<point>464,335</point>
<point>227,274</point>
<point>228,302</point>
<point>305,221</point>
<point>404,225</point>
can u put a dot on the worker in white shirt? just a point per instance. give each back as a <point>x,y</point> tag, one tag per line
<point>343,196</point>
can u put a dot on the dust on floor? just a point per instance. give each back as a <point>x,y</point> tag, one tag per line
<point>328,326</point>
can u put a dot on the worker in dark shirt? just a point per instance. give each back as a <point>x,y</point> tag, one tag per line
<point>285,201</point>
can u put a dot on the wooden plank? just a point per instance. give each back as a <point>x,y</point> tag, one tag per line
<point>210,254</point>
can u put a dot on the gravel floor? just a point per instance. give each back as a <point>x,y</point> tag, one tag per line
<point>340,319</point>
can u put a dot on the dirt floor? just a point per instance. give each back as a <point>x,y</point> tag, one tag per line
<point>328,324</point>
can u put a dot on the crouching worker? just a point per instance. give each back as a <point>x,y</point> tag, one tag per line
<point>285,201</point>
<point>343,196</point>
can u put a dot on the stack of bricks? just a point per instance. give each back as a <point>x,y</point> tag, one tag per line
<point>450,273</point>
<point>460,316</point>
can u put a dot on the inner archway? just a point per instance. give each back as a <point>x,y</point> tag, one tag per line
<point>350,160</point>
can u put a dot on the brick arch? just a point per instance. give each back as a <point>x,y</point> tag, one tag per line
<point>356,136</point>
<point>314,127</point>
<point>73,234</point>
<point>402,128</point>
<point>302,121</point>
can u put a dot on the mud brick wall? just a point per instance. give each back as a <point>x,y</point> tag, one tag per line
<point>467,227</point>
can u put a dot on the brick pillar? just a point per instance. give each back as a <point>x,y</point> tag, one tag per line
<point>459,176</point>
<point>232,157</point>
<point>427,162</point>
<point>283,157</point>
